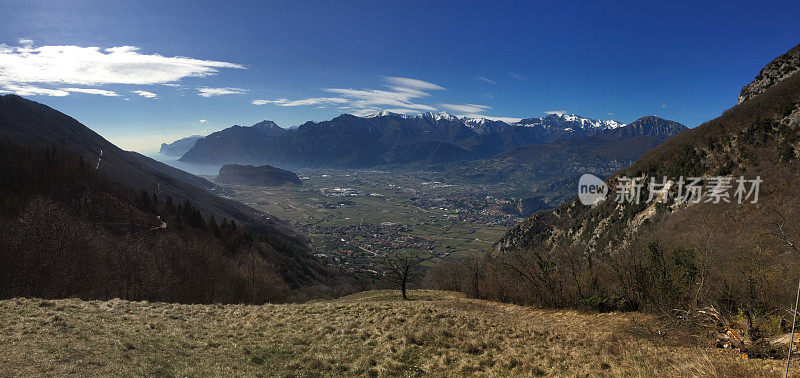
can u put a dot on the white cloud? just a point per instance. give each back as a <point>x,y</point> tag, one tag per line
<point>146,94</point>
<point>517,76</point>
<point>558,112</point>
<point>466,108</point>
<point>25,67</point>
<point>101,92</point>
<point>400,93</point>
<point>412,83</point>
<point>173,85</point>
<point>398,97</point>
<point>208,92</point>
<point>203,121</point>
<point>30,90</point>
<point>481,78</point>
<point>304,102</point>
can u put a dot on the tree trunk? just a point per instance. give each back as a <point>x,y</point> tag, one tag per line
<point>403,288</point>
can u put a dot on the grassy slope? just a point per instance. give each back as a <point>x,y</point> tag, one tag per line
<point>368,333</point>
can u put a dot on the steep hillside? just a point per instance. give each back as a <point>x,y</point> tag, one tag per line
<point>50,160</point>
<point>370,333</point>
<point>679,254</point>
<point>30,123</point>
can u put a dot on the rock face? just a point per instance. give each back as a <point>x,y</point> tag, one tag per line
<point>264,175</point>
<point>774,72</point>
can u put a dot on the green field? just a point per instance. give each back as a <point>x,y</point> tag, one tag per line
<point>382,213</point>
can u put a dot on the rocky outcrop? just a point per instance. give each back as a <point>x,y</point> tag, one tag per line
<point>777,70</point>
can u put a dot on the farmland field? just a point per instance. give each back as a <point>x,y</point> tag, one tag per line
<point>354,217</point>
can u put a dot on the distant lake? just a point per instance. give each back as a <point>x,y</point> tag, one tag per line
<point>193,168</point>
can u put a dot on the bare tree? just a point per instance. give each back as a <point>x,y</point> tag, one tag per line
<point>788,242</point>
<point>402,268</point>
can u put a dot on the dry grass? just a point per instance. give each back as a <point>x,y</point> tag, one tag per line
<point>370,333</point>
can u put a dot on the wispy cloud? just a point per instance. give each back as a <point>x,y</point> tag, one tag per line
<point>25,69</point>
<point>145,94</point>
<point>481,78</point>
<point>466,108</point>
<point>304,102</point>
<point>559,112</point>
<point>517,76</point>
<point>95,91</point>
<point>397,97</point>
<point>30,90</point>
<point>399,93</point>
<point>209,92</point>
<point>406,82</point>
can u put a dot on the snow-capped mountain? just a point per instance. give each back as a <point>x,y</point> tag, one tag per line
<point>386,113</point>
<point>552,124</point>
<point>386,137</point>
<point>439,116</point>
<point>552,121</point>
<point>570,122</point>
<point>427,115</point>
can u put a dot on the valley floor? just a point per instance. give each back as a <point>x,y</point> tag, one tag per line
<point>370,333</point>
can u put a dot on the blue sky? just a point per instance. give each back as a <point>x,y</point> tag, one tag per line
<point>314,60</point>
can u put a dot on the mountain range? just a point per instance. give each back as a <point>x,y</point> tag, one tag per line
<point>386,138</point>
<point>550,170</point>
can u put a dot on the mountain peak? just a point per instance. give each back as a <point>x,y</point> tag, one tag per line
<point>443,115</point>
<point>570,122</point>
<point>385,113</point>
<point>650,125</point>
<point>265,124</point>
